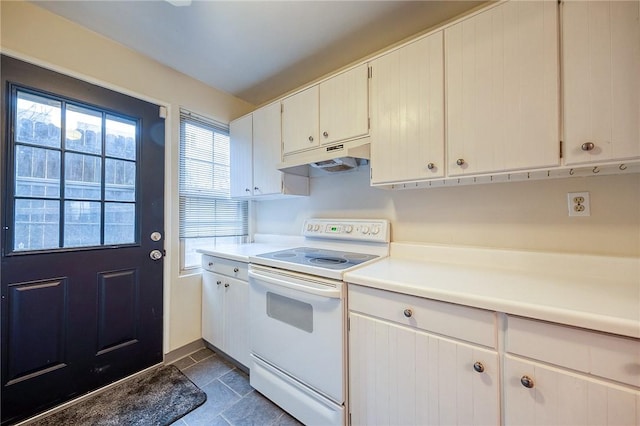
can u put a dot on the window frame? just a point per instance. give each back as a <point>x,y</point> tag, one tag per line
<point>9,201</point>
<point>185,117</point>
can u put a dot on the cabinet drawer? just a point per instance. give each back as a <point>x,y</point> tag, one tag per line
<point>604,355</point>
<point>448,319</point>
<point>231,268</point>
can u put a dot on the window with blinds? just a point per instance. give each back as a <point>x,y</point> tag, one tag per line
<point>207,215</point>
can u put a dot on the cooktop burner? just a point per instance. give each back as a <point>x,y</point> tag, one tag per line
<point>321,258</point>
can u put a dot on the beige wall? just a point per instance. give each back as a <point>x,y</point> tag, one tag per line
<point>34,34</point>
<point>523,215</point>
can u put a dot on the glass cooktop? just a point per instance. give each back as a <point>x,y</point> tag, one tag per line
<point>322,258</point>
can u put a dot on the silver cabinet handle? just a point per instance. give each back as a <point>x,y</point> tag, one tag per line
<point>226,285</point>
<point>325,134</point>
<point>310,138</point>
<point>218,282</point>
<point>235,269</point>
<point>408,313</point>
<point>478,366</point>
<point>431,166</point>
<point>460,161</point>
<point>527,382</point>
<point>587,146</point>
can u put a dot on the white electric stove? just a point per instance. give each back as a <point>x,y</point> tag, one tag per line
<point>298,316</point>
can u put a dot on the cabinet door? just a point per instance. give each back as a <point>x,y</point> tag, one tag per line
<point>601,64</point>
<point>213,308</point>
<point>300,121</point>
<point>267,150</point>
<point>401,376</point>
<point>503,89</point>
<point>241,135</point>
<point>236,330</point>
<point>407,113</point>
<point>559,397</point>
<point>344,105</point>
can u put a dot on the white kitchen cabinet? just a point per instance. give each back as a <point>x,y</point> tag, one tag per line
<point>560,397</point>
<point>333,110</point>
<point>344,107</point>
<point>558,375</point>
<point>407,112</point>
<point>502,88</point>
<point>241,156</point>
<point>601,71</point>
<point>225,312</point>
<point>255,153</point>
<point>300,121</point>
<point>401,373</point>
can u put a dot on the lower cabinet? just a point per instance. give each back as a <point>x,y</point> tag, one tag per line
<point>539,395</point>
<point>416,361</point>
<point>404,375</point>
<point>225,315</point>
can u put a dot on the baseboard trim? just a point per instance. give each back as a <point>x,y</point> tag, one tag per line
<point>183,351</point>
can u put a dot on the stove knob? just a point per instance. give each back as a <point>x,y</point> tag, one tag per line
<point>309,227</point>
<point>375,230</point>
<point>316,227</point>
<point>348,229</point>
<point>365,229</point>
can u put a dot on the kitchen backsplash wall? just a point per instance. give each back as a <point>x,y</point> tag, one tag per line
<point>522,215</point>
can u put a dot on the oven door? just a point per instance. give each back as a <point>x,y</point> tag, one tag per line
<point>297,326</point>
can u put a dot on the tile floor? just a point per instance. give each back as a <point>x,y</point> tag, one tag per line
<point>230,398</point>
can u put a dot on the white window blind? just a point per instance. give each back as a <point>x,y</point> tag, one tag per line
<point>207,214</point>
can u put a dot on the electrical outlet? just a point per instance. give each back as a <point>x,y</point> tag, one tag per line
<point>578,203</point>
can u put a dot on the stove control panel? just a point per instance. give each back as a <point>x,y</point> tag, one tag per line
<point>374,230</point>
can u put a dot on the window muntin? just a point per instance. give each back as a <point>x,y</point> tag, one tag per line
<point>75,191</point>
<point>207,214</point>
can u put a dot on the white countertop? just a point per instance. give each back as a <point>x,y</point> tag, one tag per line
<point>264,243</point>
<point>595,292</point>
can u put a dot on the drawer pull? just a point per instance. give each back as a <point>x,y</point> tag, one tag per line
<point>408,313</point>
<point>226,284</point>
<point>478,366</point>
<point>210,263</point>
<point>218,282</point>
<point>527,382</point>
<point>235,269</point>
<point>587,146</point>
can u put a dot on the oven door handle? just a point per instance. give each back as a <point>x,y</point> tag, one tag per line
<point>332,293</point>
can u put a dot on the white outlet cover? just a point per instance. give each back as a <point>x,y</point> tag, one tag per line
<point>571,204</point>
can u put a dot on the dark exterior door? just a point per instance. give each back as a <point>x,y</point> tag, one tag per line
<point>82,212</point>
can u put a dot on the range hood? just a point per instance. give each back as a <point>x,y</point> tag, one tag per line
<point>337,157</point>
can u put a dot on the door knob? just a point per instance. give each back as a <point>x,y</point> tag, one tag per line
<point>155,255</point>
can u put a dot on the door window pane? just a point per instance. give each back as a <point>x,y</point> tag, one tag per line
<point>120,180</point>
<point>121,138</point>
<point>119,223</point>
<point>37,120</point>
<point>37,172</point>
<point>81,223</point>
<point>37,224</point>
<point>82,176</point>
<point>83,130</point>
<point>80,191</point>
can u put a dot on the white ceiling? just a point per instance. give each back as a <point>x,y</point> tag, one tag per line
<point>257,50</point>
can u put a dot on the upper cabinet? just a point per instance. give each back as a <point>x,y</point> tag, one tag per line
<point>502,88</point>
<point>344,112</point>
<point>255,153</point>
<point>300,121</point>
<point>407,112</point>
<point>241,157</point>
<point>334,110</point>
<point>601,65</point>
